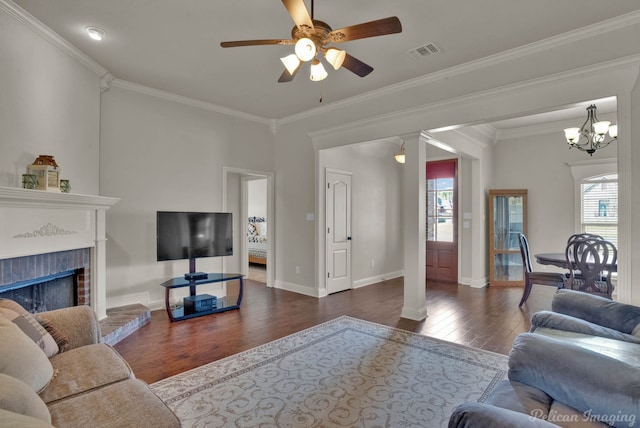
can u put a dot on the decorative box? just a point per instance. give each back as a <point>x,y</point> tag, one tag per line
<point>47,171</point>
<point>199,303</point>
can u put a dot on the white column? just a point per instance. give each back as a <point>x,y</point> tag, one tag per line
<point>628,288</point>
<point>479,225</point>
<point>414,228</point>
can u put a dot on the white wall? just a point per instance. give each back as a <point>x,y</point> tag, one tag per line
<point>49,104</point>
<point>161,155</point>
<point>538,163</point>
<point>295,198</point>
<point>257,205</point>
<point>376,210</point>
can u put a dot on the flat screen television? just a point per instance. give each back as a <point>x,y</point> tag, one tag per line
<point>193,235</point>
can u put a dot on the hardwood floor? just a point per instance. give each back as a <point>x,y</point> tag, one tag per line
<point>257,272</point>
<point>487,318</point>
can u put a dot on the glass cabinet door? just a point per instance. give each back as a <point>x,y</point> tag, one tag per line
<point>508,218</point>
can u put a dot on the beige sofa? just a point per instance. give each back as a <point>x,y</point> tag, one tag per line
<point>69,378</point>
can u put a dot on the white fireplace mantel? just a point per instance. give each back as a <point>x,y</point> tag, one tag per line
<point>39,222</point>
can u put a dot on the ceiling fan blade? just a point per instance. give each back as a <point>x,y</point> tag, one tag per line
<point>356,66</point>
<point>298,12</point>
<point>379,27</point>
<point>286,77</point>
<point>237,43</point>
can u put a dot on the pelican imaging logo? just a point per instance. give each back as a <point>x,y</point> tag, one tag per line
<point>612,419</point>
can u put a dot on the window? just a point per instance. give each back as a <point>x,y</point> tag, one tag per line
<point>440,201</point>
<point>599,206</point>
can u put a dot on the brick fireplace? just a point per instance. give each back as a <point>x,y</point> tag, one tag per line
<point>46,234</point>
<point>48,281</point>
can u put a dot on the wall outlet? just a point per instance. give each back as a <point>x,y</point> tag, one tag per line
<point>297,269</point>
<point>373,263</point>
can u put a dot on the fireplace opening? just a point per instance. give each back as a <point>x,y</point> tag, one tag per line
<point>47,293</point>
<point>47,281</point>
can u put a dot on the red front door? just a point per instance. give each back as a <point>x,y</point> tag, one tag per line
<point>442,230</point>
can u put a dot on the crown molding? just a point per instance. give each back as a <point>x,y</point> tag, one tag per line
<point>486,131</point>
<point>191,102</point>
<point>589,162</point>
<point>629,61</point>
<point>50,36</point>
<point>547,128</point>
<point>593,30</point>
<point>107,79</point>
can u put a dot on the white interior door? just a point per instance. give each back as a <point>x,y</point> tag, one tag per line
<point>338,203</point>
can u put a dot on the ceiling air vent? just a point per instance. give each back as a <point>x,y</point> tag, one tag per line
<point>424,51</point>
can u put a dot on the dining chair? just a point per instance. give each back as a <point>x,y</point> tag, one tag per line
<point>581,237</point>
<point>530,277</point>
<point>590,261</point>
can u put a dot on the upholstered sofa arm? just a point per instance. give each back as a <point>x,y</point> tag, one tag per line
<point>78,323</point>
<point>598,310</point>
<point>474,415</point>
<point>564,322</point>
<point>601,387</point>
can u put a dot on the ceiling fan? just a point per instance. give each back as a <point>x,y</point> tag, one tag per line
<point>311,38</point>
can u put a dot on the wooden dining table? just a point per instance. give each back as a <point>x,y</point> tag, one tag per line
<point>560,260</point>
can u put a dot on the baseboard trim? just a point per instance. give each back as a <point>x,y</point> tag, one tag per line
<point>474,283</point>
<point>378,278</point>
<point>414,314</point>
<point>300,289</point>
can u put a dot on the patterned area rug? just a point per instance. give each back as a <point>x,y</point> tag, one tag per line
<point>343,373</point>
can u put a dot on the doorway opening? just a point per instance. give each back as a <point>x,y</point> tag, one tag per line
<point>257,225</point>
<point>249,195</point>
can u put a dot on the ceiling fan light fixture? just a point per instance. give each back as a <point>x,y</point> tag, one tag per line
<point>291,63</point>
<point>305,49</point>
<point>318,72</point>
<point>335,57</point>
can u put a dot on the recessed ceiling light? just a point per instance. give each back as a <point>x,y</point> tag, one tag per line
<point>95,33</point>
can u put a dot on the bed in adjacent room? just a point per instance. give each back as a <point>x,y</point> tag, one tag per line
<point>257,239</point>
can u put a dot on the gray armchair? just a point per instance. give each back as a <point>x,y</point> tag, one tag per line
<point>554,383</point>
<point>577,312</point>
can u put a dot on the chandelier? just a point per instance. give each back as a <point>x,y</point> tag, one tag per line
<point>594,131</point>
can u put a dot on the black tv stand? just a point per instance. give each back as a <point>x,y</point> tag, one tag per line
<point>191,276</point>
<point>231,300</point>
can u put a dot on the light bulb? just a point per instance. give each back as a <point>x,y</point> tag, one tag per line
<point>317,71</point>
<point>572,135</point>
<point>602,127</point>
<point>291,63</point>
<point>613,131</point>
<point>305,49</point>
<point>335,57</point>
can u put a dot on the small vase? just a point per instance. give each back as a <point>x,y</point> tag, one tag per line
<point>30,181</point>
<point>65,186</point>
